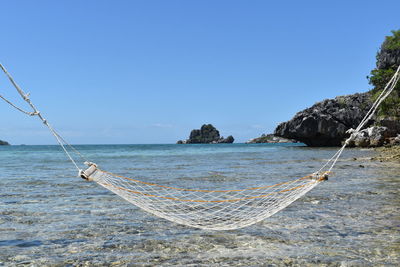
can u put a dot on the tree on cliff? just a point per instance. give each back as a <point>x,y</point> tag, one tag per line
<point>387,61</point>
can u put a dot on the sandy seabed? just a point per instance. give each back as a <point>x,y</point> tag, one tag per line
<point>49,218</point>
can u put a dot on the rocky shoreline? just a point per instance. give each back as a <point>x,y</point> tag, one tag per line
<point>390,153</point>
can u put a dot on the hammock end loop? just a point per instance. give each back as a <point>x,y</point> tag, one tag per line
<point>324,177</point>
<point>86,174</point>
<point>321,176</point>
<point>83,175</point>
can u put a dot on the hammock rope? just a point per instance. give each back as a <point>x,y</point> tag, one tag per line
<point>205,209</point>
<point>36,112</point>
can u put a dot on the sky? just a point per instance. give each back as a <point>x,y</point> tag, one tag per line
<point>133,72</point>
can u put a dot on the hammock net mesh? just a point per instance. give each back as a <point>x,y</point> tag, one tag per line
<point>207,209</point>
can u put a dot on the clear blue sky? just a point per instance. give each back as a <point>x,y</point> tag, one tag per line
<point>151,71</point>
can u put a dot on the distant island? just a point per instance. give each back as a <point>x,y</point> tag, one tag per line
<point>4,143</point>
<point>207,134</point>
<point>270,138</point>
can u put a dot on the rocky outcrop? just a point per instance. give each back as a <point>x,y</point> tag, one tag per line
<point>374,136</point>
<point>228,140</point>
<point>4,143</point>
<point>387,57</point>
<point>270,138</point>
<point>326,122</point>
<point>391,123</point>
<point>207,134</point>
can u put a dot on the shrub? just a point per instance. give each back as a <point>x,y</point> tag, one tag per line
<point>388,59</point>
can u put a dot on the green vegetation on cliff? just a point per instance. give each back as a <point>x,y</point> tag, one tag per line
<point>387,61</point>
<point>392,42</point>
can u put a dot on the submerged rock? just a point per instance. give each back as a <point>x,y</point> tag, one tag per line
<point>4,143</point>
<point>207,134</point>
<point>391,153</point>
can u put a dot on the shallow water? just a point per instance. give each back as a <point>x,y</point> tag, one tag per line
<point>50,217</point>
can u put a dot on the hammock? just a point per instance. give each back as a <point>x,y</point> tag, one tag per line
<point>205,209</point>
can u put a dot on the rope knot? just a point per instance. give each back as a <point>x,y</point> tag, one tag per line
<point>353,134</point>
<point>26,96</point>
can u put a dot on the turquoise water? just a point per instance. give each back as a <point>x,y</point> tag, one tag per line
<point>49,216</point>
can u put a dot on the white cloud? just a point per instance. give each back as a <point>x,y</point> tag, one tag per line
<point>161,125</point>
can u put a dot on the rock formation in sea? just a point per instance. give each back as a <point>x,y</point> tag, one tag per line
<point>326,122</point>
<point>4,143</point>
<point>374,136</point>
<point>270,138</point>
<point>207,134</point>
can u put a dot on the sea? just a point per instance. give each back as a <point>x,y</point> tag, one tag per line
<point>51,217</point>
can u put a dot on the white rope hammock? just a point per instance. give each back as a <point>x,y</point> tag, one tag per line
<point>206,209</point>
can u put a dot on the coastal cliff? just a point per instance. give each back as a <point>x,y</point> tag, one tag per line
<point>326,122</point>
<point>4,143</point>
<point>207,134</point>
